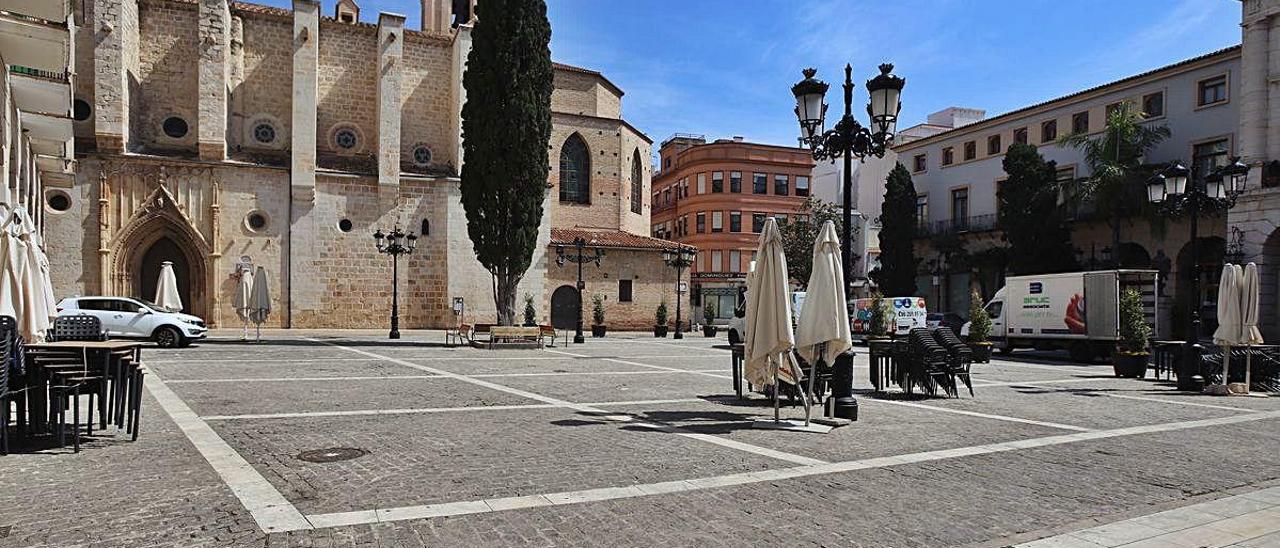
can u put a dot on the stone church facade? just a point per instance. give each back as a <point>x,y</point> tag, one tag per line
<point>225,135</point>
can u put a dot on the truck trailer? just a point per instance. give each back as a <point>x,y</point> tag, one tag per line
<point>1075,311</point>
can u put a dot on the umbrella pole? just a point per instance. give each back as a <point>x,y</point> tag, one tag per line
<point>1248,366</point>
<point>776,387</point>
<point>1226,369</point>
<point>808,391</point>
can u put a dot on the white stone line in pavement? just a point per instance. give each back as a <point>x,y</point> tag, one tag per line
<point>270,509</point>
<point>983,384</point>
<point>983,415</point>
<point>740,446</point>
<point>1176,402</point>
<point>404,377</point>
<point>430,410</point>
<point>744,478</point>
<point>1220,522</point>
<point>682,346</point>
<point>198,361</point>
<point>273,361</point>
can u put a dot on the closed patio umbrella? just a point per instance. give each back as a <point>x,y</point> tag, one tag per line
<point>244,292</point>
<point>259,300</point>
<point>823,329</point>
<point>769,339</point>
<point>10,252</point>
<point>1229,321</point>
<point>1250,303</point>
<point>167,289</point>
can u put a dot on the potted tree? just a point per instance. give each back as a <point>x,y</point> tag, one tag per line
<point>979,329</point>
<point>530,315</point>
<point>660,320</point>
<point>1130,357</point>
<point>708,317</point>
<point>880,314</point>
<point>597,315</point>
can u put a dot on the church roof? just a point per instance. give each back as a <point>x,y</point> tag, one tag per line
<point>589,72</point>
<point>612,239</point>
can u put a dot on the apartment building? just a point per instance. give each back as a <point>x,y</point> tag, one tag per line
<point>716,196</point>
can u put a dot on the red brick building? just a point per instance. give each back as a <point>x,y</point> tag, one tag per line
<point>715,196</point>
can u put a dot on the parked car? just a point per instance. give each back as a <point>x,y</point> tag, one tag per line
<point>127,318</point>
<point>945,319</point>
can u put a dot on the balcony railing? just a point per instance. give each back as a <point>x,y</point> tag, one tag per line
<point>59,77</point>
<point>960,225</point>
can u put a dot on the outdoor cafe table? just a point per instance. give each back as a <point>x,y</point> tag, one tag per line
<point>739,352</point>
<point>106,353</point>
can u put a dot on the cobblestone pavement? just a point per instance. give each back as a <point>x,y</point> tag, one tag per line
<point>626,441</point>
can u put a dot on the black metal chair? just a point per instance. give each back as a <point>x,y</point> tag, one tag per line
<point>929,363</point>
<point>8,330</point>
<point>78,327</point>
<point>961,355</point>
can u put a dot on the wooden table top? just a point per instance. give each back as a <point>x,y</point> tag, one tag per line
<point>90,345</point>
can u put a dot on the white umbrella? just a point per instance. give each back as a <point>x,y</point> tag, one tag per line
<point>769,339</point>
<point>10,287</point>
<point>823,329</point>
<point>1228,332</point>
<point>1250,302</point>
<point>167,289</point>
<point>260,300</point>
<point>244,292</point>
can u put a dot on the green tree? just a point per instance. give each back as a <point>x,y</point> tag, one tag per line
<point>798,237</point>
<point>896,275</point>
<point>1116,174</point>
<point>979,321</point>
<point>1134,329</point>
<point>1033,225</point>
<point>506,124</point>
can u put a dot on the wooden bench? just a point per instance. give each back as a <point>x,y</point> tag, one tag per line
<point>547,332</point>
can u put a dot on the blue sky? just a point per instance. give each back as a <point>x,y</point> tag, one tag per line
<point>725,67</point>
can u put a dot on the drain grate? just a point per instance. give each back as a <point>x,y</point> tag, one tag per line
<point>332,454</point>
<point>4,531</point>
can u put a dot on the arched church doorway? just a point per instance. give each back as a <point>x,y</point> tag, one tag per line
<point>161,251</point>
<point>565,303</point>
<point>1210,251</point>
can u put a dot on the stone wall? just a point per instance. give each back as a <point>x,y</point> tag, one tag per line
<point>653,282</point>
<point>426,103</point>
<point>167,77</point>
<point>264,95</point>
<point>604,142</point>
<point>347,95</point>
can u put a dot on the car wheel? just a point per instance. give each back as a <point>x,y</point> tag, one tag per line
<point>167,337</point>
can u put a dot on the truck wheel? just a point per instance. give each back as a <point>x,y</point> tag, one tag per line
<point>167,337</point>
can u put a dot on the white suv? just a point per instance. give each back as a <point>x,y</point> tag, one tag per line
<point>137,319</point>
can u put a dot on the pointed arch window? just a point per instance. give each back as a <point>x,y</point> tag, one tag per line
<point>575,171</point>
<point>637,183</point>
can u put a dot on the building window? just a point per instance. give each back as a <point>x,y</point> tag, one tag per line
<point>717,181</point>
<point>1213,90</point>
<point>255,221</point>
<point>781,218</point>
<point>421,156</point>
<point>426,228</point>
<point>735,261</point>
<point>735,221</point>
<point>80,110</point>
<point>175,127</point>
<point>960,208</point>
<point>970,150</point>
<point>948,156</point>
<point>759,183</point>
<point>702,183</point>
<point>717,221</point>
<point>993,145</point>
<point>717,261</point>
<point>1067,190</point>
<point>345,225</point>
<point>637,183</point>
<point>624,291</point>
<point>346,139</point>
<point>1207,156</point>
<point>1153,105</point>
<point>735,181</point>
<point>802,185</point>
<point>666,196</point>
<point>1112,109</point>
<point>921,163</point>
<point>922,210</point>
<point>575,171</point>
<point>701,223</point>
<point>781,185</point>
<point>264,133</point>
<point>1048,131</point>
<point>1080,122</point>
<point>1020,135</point>
<point>57,201</point>
<point>757,222</point>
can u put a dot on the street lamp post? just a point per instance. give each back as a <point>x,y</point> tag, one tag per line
<point>1214,192</point>
<point>395,244</point>
<point>680,259</point>
<point>580,244</point>
<point>847,140</point>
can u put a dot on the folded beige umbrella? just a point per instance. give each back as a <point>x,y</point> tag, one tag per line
<point>1250,303</point>
<point>823,328</point>
<point>240,301</point>
<point>260,300</point>
<point>167,289</point>
<point>1228,332</point>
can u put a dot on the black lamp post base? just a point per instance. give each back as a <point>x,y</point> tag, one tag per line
<point>395,334</point>
<point>678,334</point>
<point>843,404</point>
<point>579,339</point>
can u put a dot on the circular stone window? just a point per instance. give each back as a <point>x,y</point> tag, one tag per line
<point>175,127</point>
<point>345,225</point>
<point>57,200</point>
<point>80,110</point>
<point>346,139</point>
<point>264,133</point>
<point>422,156</point>
<point>255,221</point>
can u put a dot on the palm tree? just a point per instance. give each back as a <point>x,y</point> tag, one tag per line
<point>1115,160</point>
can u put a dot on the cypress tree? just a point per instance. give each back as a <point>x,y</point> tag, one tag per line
<point>506,124</point>
<point>1033,224</point>
<point>896,275</point>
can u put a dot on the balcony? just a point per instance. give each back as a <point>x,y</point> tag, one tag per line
<point>35,43</point>
<point>961,225</point>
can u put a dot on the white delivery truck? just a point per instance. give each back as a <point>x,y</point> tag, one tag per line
<point>907,313</point>
<point>1076,311</point>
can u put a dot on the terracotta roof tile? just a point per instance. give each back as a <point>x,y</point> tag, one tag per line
<point>615,239</point>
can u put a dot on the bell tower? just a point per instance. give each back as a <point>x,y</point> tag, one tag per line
<point>439,16</point>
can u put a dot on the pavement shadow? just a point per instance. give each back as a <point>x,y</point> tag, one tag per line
<point>321,342</point>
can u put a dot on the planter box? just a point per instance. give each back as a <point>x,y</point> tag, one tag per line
<point>598,331</point>
<point>708,331</point>
<point>1129,364</point>
<point>981,352</point>
<point>659,331</point>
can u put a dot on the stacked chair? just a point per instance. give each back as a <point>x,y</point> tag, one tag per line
<point>960,357</point>
<point>927,364</point>
<point>8,332</point>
